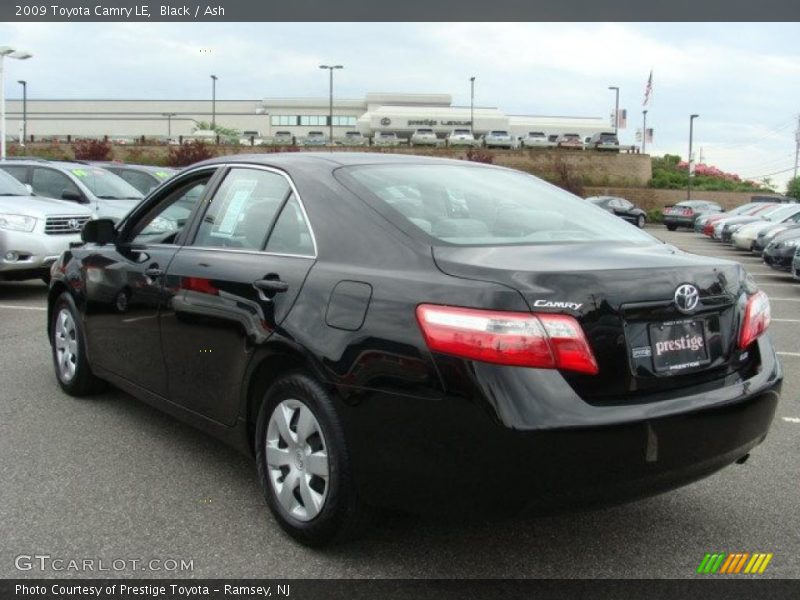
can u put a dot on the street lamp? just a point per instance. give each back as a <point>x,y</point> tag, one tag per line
<point>644,130</point>
<point>689,164</point>
<point>169,124</point>
<point>214,102</point>
<point>24,85</point>
<point>472,106</point>
<point>6,52</point>
<point>616,108</point>
<point>330,99</point>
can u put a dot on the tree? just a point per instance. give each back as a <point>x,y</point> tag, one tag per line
<point>793,188</point>
<point>223,132</point>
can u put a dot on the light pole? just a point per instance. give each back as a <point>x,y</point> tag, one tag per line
<point>644,130</point>
<point>24,85</point>
<point>6,51</point>
<point>214,102</point>
<point>472,106</point>
<point>616,108</point>
<point>689,164</point>
<point>330,68</point>
<point>169,124</point>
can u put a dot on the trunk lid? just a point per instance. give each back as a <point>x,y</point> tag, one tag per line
<point>623,295</point>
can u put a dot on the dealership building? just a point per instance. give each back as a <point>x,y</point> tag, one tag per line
<point>399,113</point>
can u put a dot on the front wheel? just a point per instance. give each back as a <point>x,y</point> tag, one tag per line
<point>672,227</point>
<point>69,350</point>
<point>303,463</point>
<point>640,222</point>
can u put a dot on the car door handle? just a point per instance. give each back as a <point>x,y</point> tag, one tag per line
<point>153,272</point>
<point>271,285</point>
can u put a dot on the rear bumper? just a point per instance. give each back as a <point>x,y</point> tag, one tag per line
<point>450,455</point>
<point>679,221</point>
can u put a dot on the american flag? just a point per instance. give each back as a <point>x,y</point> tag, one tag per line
<point>648,90</point>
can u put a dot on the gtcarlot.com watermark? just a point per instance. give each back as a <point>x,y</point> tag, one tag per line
<point>59,564</point>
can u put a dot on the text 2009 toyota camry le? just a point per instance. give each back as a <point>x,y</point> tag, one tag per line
<point>416,333</point>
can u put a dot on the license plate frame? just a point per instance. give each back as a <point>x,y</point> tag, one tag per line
<point>678,346</point>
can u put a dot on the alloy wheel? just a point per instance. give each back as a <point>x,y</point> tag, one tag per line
<point>65,338</point>
<point>297,459</point>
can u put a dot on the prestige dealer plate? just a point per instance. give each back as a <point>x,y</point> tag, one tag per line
<point>678,345</point>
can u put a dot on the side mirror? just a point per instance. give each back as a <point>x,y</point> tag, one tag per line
<point>29,187</point>
<point>72,196</point>
<point>99,231</point>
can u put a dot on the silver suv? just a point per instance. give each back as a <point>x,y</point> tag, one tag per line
<point>355,138</point>
<point>461,137</point>
<point>424,137</point>
<point>34,231</point>
<point>315,138</point>
<point>499,139</point>
<point>107,195</point>
<point>385,138</point>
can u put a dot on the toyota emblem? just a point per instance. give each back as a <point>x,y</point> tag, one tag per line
<point>74,224</point>
<point>687,297</point>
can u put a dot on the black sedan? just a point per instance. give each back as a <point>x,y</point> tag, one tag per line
<point>622,208</point>
<point>683,214</point>
<point>417,333</point>
<point>780,252</point>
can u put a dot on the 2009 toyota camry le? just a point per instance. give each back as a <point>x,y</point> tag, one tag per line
<point>416,333</point>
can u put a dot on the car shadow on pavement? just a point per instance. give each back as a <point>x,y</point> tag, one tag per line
<point>22,290</point>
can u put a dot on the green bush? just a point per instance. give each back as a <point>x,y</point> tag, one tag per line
<point>655,216</point>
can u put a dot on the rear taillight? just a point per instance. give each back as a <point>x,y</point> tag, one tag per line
<point>545,341</point>
<point>756,319</point>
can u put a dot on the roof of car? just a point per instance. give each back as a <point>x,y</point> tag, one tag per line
<point>331,159</point>
<point>63,165</point>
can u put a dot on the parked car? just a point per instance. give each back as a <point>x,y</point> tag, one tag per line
<point>744,237</point>
<point>461,137</point>
<point>34,231</point>
<point>684,213</point>
<point>606,141</point>
<point>765,236</point>
<point>730,226</point>
<point>362,340</point>
<point>385,138</point>
<point>282,138</point>
<point>106,194</point>
<point>622,208</point>
<point>796,264</point>
<point>705,218</point>
<point>534,139</point>
<point>570,140</point>
<point>144,178</point>
<point>780,252</point>
<point>710,229</point>
<point>424,136</point>
<point>499,138</point>
<point>355,138</point>
<point>251,138</point>
<point>315,138</point>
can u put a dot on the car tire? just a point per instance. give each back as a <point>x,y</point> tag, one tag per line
<point>640,220</point>
<point>322,505</point>
<point>672,227</point>
<point>68,347</point>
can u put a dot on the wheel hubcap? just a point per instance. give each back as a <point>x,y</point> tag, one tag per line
<point>66,343</point>
<point>297,459</point>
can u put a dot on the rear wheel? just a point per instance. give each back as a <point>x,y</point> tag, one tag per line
<point>69,350</point>
<point>640,221</point>
<point>672,227</point>
<point>303,463</point>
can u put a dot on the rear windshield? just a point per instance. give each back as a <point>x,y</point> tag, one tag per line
<point>477,206</point>
<point>536,134</point>
<point>353,134</point>
<point>461,131</point>
<point>424,130</point>
<point>499,133</point>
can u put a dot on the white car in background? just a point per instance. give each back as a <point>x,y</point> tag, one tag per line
<point>461,137</point>
<point>424,136</point>
<point>499,138</point>
<point>354,138</point>
<point>315,138</point>
<point>385,138</point>
<point>34,231</point>
<point>282,138</point>
<point>534,139</point>
<point>251,138</point>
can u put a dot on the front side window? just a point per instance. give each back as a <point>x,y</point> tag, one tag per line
<point>104,184</point>
<point>52,183</point>
<point>141,181</point>
<point>10,186</point>
<point>243,209</point>
<point>167,220</point>
<point>473,205</point>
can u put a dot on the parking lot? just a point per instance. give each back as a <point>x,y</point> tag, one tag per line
<point>111,478</point>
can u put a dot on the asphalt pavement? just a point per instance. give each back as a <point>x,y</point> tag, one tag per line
<point>111,479</point>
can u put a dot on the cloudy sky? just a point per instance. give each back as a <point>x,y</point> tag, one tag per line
<point>742,79</point>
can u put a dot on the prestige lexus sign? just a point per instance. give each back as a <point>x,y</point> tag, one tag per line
<point>435,123</point>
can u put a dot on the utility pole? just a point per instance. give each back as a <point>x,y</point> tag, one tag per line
<point>796,146</point>
<point>331,69</point>
<point>472,106</point>
<point>690,162</point>
<point>644,131</point>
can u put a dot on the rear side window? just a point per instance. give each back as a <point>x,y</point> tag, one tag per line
<point>477,206</point>
<point>141,181</point>
<point>243,209</point>
<point>291,234</point>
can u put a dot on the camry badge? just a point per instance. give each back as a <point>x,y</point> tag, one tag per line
<point>687,298</point>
